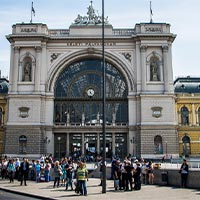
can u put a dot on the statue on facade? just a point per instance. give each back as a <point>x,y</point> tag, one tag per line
<point>91,18</point>
<point>83,119</point>
<point>98,118</point>
<point>154,71</point>
<point>27,72</point>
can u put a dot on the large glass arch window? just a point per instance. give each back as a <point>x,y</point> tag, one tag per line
<point>78,94</point>
<point>184,116</point>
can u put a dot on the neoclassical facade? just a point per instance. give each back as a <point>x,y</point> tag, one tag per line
<point>55,96</point>
<point>187,90</point>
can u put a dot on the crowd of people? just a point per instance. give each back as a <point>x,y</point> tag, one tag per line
<point>128,175</point>
<point>63,173</point>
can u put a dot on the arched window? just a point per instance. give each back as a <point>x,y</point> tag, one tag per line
<point>22,144</point>
<point>78,94</point>
<point>186,146</point>
<point>199,115</point>
<point>154,69</point>
<point>184,116</point>
<point>27,70</point>
<point>158,144</point>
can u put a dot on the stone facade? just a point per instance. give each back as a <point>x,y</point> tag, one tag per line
<point>41,56</point>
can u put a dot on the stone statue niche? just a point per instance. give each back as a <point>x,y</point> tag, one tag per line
<point>27,71</point>
<point>154,69</point>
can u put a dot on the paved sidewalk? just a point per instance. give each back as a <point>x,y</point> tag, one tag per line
<point>46,191</point>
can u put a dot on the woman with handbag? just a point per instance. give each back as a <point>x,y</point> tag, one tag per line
<point>57,172</point>
<point>184,173</point>
<point>11,170</point>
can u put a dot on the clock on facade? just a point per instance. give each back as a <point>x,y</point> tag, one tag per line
<point>90,92</point>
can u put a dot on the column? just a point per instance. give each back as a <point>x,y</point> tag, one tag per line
<point>98,143</point>
<point>138,68</point>
<point>37,69</point>
<point>11,67</point>
<point>83,144</point>
<point>179,117</point>
<point>43,69</point>
<point>67,144</point>
<point>197,117</point>
<point>113,143</point>
<point>170,70</point>
<point>20,77</point>
<point>15,68</point>
<point>143,67</point>
<point>193,116</point>
<point>165,66</point>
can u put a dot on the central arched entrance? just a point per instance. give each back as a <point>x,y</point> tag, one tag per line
<point>78,109</point>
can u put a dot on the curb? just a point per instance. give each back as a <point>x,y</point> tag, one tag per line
<point>26,194</point>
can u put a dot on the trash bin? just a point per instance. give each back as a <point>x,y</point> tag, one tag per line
<point>164,176</point>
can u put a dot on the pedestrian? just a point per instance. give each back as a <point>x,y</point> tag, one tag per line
<point>69,174</point>
<point>47,169</point>
<point>137,176</point>
<point>150,172</point>
<point>144,172</point>
<point>4,168</point>
<point>129,176</point>
<point>82,176</point>
<point>184,173</point>
<point>24,170</point>
<point>113,163</point>
<point>57,172</point>
<point>11,170</point>
<point>63,177</point>
<point>100,164</point>
<point>33,173</point>
<point>37,171</point>
<point>17,166</point>
<point>117,175</point>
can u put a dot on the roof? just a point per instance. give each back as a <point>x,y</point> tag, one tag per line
<point>187,85</point>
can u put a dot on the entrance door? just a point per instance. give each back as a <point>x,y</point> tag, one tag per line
<point>90,142</point>
<point>59,146</point>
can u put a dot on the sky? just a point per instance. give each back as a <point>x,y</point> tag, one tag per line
<point>182,15</point>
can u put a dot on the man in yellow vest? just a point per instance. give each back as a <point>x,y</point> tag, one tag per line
<point>82,176</point>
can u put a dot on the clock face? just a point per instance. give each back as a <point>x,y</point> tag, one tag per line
<point>90,92</point>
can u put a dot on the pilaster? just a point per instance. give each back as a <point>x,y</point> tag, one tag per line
<point>143,66</point>
<point>15,68</point>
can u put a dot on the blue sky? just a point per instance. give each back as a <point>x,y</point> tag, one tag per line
<point>183,15</point>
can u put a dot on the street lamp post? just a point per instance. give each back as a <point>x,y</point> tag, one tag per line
<point>59,138</point>
<point>166,148</point>
<point>104,102</point>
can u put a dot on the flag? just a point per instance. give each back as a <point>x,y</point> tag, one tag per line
<point>151,12</point>
<point>33,10</point>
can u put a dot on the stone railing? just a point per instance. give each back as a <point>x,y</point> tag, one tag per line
<point>65,32</point>
<point>62,124</point>
<point>123,32</point>
<point>59,32</point>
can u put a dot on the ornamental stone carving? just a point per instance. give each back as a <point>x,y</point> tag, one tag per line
<point>91,18</point>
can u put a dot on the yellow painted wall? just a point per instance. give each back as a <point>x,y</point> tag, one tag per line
<point>192,102</point>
